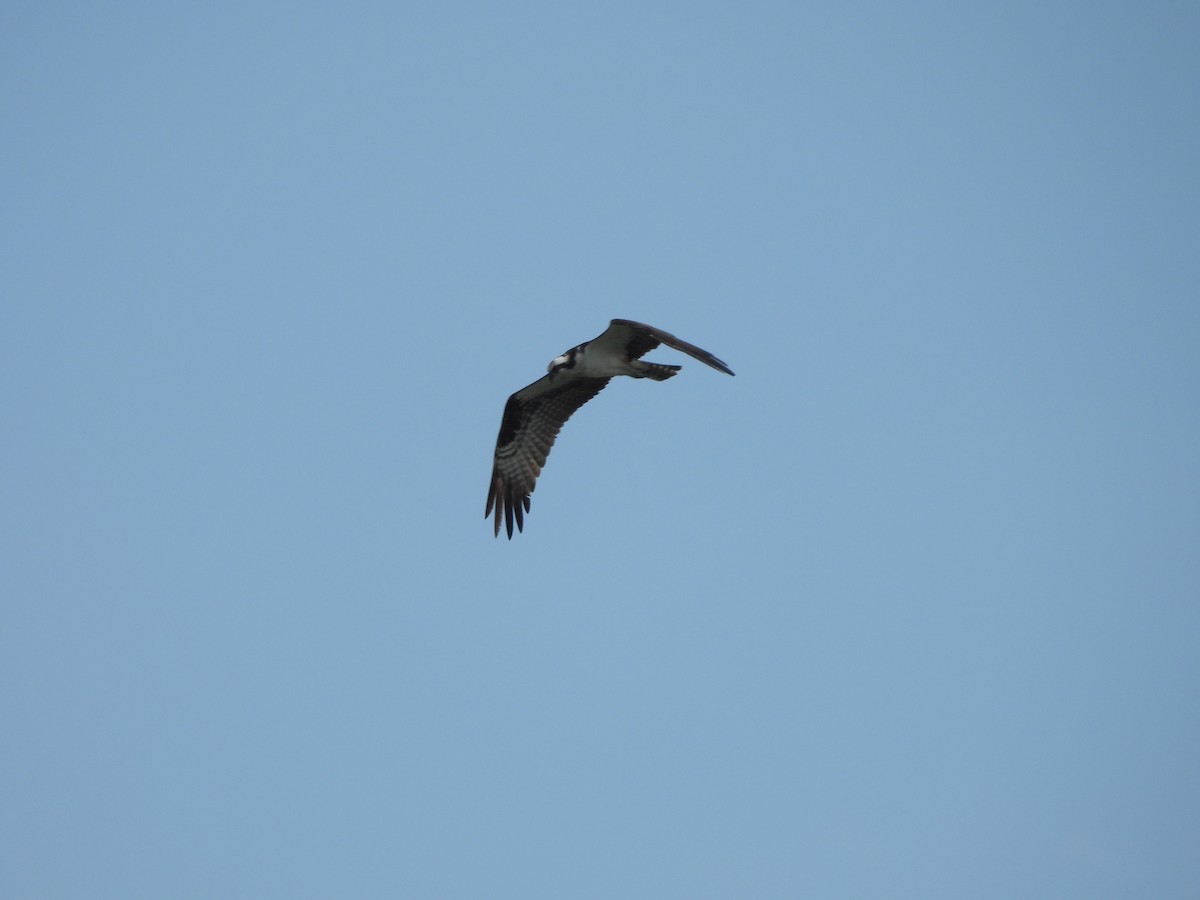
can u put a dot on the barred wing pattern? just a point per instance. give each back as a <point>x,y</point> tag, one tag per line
<point>532,419</point>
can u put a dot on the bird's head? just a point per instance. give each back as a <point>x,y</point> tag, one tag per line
<point>565,361</point>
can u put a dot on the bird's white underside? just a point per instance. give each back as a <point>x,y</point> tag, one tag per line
<point>597,360</point>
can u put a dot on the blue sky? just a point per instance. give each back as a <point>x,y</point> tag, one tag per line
<point>908,608</point>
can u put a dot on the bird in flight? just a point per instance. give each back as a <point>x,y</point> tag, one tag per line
<point>534,414</point>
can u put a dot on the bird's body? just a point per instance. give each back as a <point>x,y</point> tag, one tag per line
<point>534,414</point>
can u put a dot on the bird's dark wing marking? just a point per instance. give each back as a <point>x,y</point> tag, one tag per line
<point>531,422</point>
<point>641,339</point>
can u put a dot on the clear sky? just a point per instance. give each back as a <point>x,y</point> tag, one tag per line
<point>910,608</point>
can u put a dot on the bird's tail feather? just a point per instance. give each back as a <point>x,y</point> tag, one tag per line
<point>657,371</point>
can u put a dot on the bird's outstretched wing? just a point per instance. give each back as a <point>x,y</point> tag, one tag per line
<point>636,340</point>
<point>532,419</point>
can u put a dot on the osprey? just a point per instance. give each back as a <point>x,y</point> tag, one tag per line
<point>534,414</point>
